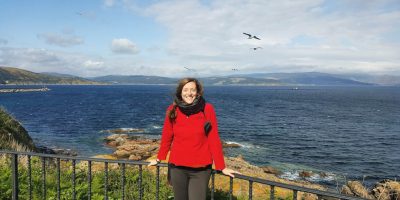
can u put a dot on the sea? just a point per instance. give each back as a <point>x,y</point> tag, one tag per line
<point>337,133</point>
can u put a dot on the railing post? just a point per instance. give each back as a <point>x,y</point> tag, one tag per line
<point>230,188</point>
<point>250,190</point>
<point>123,180</point>
<point>158,182</point>
<point>272,192</point>
<point>14,167</point>
<point>90,180</point>
<point>30,177</point>
<point>73,179</point>
<point>140,182</point>
<point>212,184</point>
<point>44,177</point>
<point>58,179</point>
<point>106,180</point>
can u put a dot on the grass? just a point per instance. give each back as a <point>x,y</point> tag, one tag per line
<point>12,135</point>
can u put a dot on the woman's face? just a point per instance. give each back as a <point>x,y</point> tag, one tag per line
<point>189,92</point>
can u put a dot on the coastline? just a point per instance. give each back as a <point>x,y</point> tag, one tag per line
<point>15,90</point>
<point>140,148</point>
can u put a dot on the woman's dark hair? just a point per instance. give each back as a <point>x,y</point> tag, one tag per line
<point>178,93</point>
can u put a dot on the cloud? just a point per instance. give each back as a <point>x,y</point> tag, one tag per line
<point>3,41</point>
<point>109,3</point>
<point>123,46</point>
<point>65,39</point>
<point>294,35</point>
<point>90,64</point>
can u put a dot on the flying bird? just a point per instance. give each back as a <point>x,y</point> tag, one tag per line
<point>234,69</point>
<point>251,36</point>
<point>255,48</point>
<point>189,69</point>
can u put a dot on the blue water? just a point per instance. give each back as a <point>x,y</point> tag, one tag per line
<point>346,132</point>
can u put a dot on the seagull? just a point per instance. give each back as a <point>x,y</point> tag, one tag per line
<point>255,48</point>
<point>251,36</point>
<point>189,69</point>
<point>234,69</point>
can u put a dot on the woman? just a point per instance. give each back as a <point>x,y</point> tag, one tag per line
<point>190,133</point>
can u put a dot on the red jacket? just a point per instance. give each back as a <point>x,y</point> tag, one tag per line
<point>187,141</point>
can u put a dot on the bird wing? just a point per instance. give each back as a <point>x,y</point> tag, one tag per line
<point>247,34</point>
<point>255,37</point>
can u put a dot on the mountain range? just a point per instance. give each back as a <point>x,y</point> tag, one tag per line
<point>10,75</point>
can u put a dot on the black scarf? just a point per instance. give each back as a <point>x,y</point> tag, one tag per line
<point>189,109</point>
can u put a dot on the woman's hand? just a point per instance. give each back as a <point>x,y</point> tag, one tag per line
<point>153,162</point>
<point>230,172</point>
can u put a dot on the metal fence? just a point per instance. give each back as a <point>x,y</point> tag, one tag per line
<point>56,159</point>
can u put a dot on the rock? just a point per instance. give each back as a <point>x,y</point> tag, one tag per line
<point>230,145</point>
<point>132,148</point>
<point>122,153</point>
<point>346,190</point>
<point>114,137</point>
<point>305,174</point>
<point>271,170</point>
<point>124,130</point>
<point>386,189</point>
<point>358,189</point>
<point>135,157</point>
<point>308,196</point>
<point>66,152</point>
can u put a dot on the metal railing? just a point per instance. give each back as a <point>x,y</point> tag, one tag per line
<point>123,165</point>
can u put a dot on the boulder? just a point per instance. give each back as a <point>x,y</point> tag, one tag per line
<point>386,190</point>
<point>305,174</point>
<point>346,190</point>
<point>230,145</point>
<point>358,189</point>
<point>271,170</point>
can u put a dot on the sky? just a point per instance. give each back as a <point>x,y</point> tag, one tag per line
<point>200,37</point>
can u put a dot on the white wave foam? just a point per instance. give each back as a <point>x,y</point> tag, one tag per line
<point>243,145</point>
<point>315,176</point>
<point>156,127</point>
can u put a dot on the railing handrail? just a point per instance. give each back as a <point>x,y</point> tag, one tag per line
<point>238,176</point>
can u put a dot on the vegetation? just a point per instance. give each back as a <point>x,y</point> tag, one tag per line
<point>12,135</point>
<point>82,186</point>
<point>10,75</point>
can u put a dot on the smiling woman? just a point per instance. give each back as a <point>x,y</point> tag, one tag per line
<point>193,147</point>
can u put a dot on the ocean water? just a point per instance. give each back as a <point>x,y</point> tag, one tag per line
<point>344,132</point>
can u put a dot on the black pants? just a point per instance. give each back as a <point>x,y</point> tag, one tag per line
<point>190,183</point>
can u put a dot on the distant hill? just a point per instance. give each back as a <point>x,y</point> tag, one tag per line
<point>11,75</point>
<point>166,81</point>
<point>134,79</point>
<point>241,80</point>
<point>259,79</point>
<point>18,76</point>
<point>375,79</point>
<point>308,78</point>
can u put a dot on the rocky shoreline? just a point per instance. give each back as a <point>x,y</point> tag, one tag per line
<point>133,147</point>
<point>44,89</point>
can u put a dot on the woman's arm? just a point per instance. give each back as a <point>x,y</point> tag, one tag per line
<point>214,140</point>
<point>166,137</point>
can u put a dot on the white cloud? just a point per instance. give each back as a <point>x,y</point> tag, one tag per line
<point>65,39</point>
<point>123,46</point>
<point>210,36</point>
<point>90,64</point>
<point>109,3</point>
<point>296,36</point>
